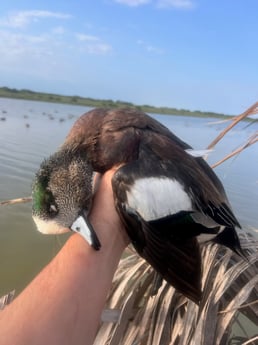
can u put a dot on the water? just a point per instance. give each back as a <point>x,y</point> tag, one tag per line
<point>33,130</point>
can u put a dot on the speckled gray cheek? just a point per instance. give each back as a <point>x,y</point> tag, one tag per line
<point>72,190</point>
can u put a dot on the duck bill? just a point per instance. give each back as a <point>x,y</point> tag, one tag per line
<point>83,227</point>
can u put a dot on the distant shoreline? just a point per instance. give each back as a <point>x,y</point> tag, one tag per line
<point>6,92</point>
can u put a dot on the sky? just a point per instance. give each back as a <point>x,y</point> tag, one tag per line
<point>187,54</point>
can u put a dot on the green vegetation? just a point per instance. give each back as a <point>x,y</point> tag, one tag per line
<point>90,102</point>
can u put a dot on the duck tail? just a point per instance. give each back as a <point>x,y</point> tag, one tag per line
<point>229,238</point>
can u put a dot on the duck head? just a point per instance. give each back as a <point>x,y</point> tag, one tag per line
<point>62,195</point>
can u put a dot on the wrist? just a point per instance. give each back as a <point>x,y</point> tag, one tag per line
<point>104,217</point>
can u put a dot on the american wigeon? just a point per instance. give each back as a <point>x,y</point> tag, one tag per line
<point>167,196</point>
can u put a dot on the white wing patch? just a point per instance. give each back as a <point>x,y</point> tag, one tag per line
<point>154,198</point>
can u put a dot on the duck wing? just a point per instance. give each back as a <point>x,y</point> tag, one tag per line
<point>166,202</point>
<point>176,259</point>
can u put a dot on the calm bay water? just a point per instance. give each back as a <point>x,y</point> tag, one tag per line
<point>33,130</point>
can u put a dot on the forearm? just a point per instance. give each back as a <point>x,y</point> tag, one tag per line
<point>72,290</point>
<point>64,302</point>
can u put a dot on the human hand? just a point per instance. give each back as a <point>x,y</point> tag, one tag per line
<point>103,214</point>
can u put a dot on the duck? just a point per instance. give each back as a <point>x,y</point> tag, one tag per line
<point>167,196</point>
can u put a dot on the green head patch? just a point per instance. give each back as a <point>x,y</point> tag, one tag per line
<point>43,199</point>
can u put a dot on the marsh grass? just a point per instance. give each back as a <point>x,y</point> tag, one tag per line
<point>230,288</point>
<point>253,110</point>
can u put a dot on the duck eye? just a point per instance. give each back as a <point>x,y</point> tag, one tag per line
<point>53,210</point>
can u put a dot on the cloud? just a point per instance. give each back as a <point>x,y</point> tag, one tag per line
<point>37,56</point>
<point>18,48</point>
<point>150,48</point>
<point>58,30</point>
<point>98,49</point>
<point>15,47</point>
<point>153,49</point>
<point>133,3</point>
<point>83,37</point>
<point>92,44</point>
<point>23,18</point>
<point>180,4</point>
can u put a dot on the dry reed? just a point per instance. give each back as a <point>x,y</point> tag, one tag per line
<point>230,287</point>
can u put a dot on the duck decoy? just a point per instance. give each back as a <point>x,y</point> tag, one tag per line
<point>167,196</point>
